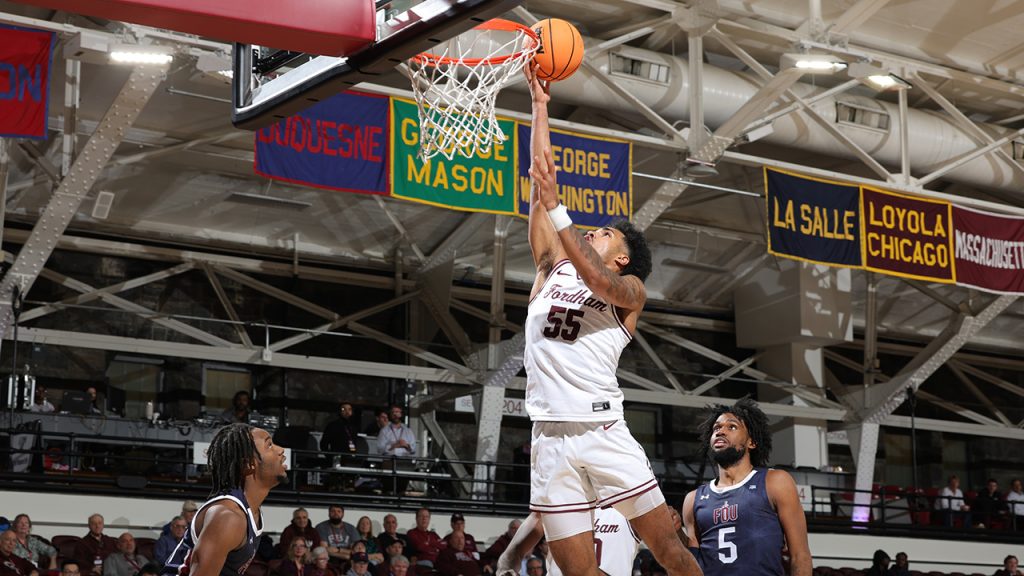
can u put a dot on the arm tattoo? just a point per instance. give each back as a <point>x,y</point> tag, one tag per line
<point>620,289</point>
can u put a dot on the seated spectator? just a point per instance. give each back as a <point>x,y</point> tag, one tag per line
<point>989,504</point>
<point>166,544</point>
<point>393,549</point>
<point>390,533</point>
<point>40,404</point>
<point>340,434</point>
<point>94,547</point>
<point>879,564</point>
<point>124,562</point>
<point>294,563</point>
<point>70,568</point>
<point>459,525</point>
<point>398,566</point>
<point>535,567</point>
<point>1009,567</point>
<point>1015,501</point>
<point>11,565</point>
<point>495,551</point>
<point>239,409</point>
<point>337,534</point>
<point>426,544</point>
<point>901,567</point>
<point>456,560</point>
<point>364,529</point>
<point>32,548</point>
<point>320,565</point>
<point>360,565</point>
<point>951,505</point>
<point>188,512</point>
<point>380,420</point>
<point>300,528</point>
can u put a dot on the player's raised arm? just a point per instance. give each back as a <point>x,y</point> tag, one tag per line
<point>543,240</point>
<point>527,536</point>
<point>218,536</point>
<point>782,492</point>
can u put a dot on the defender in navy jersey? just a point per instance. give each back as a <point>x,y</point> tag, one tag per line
<point>741,522</point>
<point>244,465</point>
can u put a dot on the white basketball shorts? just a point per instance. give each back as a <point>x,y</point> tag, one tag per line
<point>579,466</point>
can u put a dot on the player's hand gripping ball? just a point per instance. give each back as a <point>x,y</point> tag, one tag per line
<point>561,49</point>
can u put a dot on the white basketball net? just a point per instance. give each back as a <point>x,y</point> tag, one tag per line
<point>456,89</point>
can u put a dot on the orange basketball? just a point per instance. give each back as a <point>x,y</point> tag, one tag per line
<point>561,49</point>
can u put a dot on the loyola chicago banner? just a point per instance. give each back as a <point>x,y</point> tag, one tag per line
<point>25,56</point>
<point>341,143</point>
<point>484,183</point>
<point>907,236</point>
<point>989,250</point>
<point>593,176</point>
<point>813,220</point>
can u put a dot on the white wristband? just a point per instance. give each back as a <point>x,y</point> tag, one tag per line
<point>560,217</point>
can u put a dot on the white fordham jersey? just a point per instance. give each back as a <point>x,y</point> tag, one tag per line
<point>573,343</point>
<point>615,544</point>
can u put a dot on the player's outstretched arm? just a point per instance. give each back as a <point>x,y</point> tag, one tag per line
<point>544,244</point>
<point>221,527</point>
<point>529,534</point>
<point>782,492</point>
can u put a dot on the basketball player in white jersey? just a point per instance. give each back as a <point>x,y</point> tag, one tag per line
<point>615,545</point>
<point>584,306</point>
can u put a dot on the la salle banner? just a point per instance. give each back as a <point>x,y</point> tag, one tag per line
<point>25,57</point>
<point>813,220</point>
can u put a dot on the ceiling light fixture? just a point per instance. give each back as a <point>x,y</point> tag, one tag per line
<point>143,55</point>
<point>877,77</point>
<point>813,63</point>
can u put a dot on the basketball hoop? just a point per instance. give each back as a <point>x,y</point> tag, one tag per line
<point>456,90</point>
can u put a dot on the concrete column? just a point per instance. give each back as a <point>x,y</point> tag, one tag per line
<point>796,441</point>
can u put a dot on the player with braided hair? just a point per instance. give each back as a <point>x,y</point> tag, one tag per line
<point>244,465</point>
<point>741,521</point>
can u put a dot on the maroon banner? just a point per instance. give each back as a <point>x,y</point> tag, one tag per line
<point>989,250</point>
<point>906,236</point>
<point>24,81</point>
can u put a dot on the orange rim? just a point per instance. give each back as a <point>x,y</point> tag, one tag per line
<point>499,24</point>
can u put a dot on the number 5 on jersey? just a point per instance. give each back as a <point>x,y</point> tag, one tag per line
<point>559,315</point>
<point>730,555</point>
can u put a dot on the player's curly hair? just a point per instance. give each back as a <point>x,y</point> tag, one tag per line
<point>752,417</point>
<point>639,252</point>
<point>231,451</point>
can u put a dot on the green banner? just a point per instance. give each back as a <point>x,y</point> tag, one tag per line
<point>484,183</point>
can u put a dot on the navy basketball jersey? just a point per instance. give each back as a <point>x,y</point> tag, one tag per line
<point>738,528</point>
<point>238,560</point>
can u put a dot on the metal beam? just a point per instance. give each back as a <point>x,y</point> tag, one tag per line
<point>959,161</point>
<point>69,129</point>
<point>966,381</point>
<point>728,373</point>
<point>671,398</point>
<point>225,303</point>
<point>658,362</point>
<point>276,292</point>
<point>402,232</point>
<point>455,240</point>
<point>994,380</point>
<point>416,351</point>
<point>740,276</point>
<point>84,172</point>
<point>731,264</point>
<point>342,321</point>
<point>657,204</point>
<point>933,294</point>
<point>179,147</point>
<point>855,15</point>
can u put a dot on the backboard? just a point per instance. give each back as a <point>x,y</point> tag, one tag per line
<point>270,84</point>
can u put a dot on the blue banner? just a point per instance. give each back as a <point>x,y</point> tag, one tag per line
<point>813,220</point>
<point>339,144</point>
<point>594,179</point>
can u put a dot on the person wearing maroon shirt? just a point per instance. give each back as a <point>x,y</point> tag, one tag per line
<point>459,525</point>
<point>456,560</point>
<point>11,565</point>
<point>300,528</point>
<point>94,547</point>
<point>425,543</point>
<point>492,554</point>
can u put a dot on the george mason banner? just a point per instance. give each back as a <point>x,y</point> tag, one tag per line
<point>813,220</point>
<point>989,250</point>
<point>24,81</point>
<point>908,237</point>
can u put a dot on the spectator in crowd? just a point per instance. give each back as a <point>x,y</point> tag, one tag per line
<point>337,535</point>
<point>364,529</point>
<point>398,566</point>
<point>459,525</point>
<point>394,549</point>
<point>239,409</point>
<point>39,402</point>
<point>951,503</point>
<point>490,557</point>
<point>300,528</point>
<point>94,547</point>
<point>390,533</point>
<point>168,542</point>
<point>11,565</point>
<point>70,568</point>
<point>425,543</point>
<point>1015,501</point>
<point>456,560</point>
<point>1009,567</point>
<point>397,439</point>
<point>359,547</point>
<point>320,564</point>
<point>535,567</point>
<point>360,565</point>
<point>879,564</point>
<point>94,401</point>
<point>124,562</point>
<point>29,547</point>
<point>380,420</point>
<point>340,434</point>
<point>294,563</point>
<point>989,504</point>
<point>901,567</point>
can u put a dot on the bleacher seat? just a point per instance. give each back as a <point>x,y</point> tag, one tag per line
<point>145,546</point>
<point>65,546</point>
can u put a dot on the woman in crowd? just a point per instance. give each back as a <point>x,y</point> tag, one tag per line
<point>365,529</point>
<point>32,548</point>
<point>319,566</point>
<point>294,563</point>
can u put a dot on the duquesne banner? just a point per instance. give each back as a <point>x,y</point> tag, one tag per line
<point>594,176</point>
<point>25,57</point>
<point>989,250</point>
<point>341,143</point>
<point>812,219</point>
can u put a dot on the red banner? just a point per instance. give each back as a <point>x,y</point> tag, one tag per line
<point>907,237</point>
<point>989,250</point>
<point>24,81</point>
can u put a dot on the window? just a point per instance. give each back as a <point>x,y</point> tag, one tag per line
<point>139,378</point>
<point>220,384</point>
<point>862,116</point>
<point>642,69</point>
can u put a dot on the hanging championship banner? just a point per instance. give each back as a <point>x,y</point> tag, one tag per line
<point>594,176</point>
<point>813,220</point>
<point>908,237</point>
<point>989,250</point>
<point>484,183</point>
<point>25,56</point>
<point>341,143</point>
